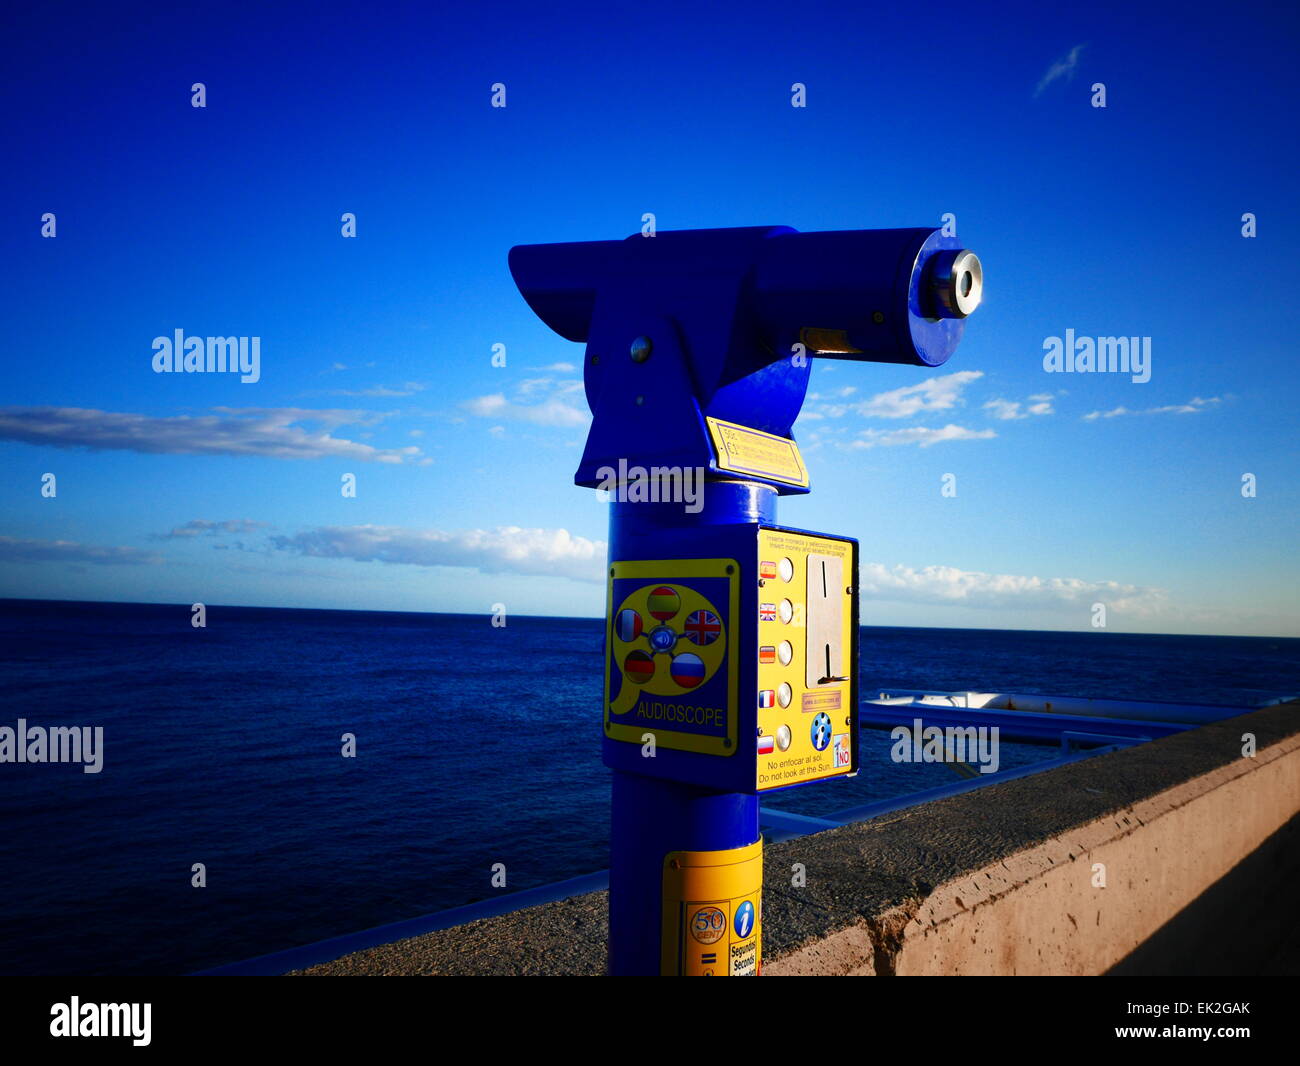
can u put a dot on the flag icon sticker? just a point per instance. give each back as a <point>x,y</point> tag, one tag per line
<point>628,625</point>
<point>703,627</point>
<point>663,603</point>
<point>767,697</point>
<point>766,745</point>
<point>767,653</point>
<point>767,612</point>
<point>688,670</point>
<point>766,569</point>
<point>639,667</point>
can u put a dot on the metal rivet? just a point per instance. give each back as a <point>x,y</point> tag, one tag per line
<point>595,359</point>
<point>878,317</point>
<point>641,349</point>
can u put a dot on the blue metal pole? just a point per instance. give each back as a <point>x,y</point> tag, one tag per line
<point>651,817</point>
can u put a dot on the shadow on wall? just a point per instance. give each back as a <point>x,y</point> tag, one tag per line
<point>1243,925</point>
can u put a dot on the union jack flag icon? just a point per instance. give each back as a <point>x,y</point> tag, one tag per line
<point>703,627</point>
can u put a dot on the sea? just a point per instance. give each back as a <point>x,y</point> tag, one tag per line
<point>475,746</point>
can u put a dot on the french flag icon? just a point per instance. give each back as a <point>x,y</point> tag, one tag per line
<point>767,697</point>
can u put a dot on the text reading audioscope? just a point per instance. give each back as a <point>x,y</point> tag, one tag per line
<point>179,354</point>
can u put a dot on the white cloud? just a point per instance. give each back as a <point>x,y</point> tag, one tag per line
<point>1062,68</point>
<point>940,393</point>
<point>1191,407</point>
<point>933,394</point>
<point>549,412</point>
<point>948,585</point>
<point>546,552</point>
<point>922,435</point>
<point>17,550</point>
<point>1008,410</point>
<point>408,388</point>
<point>200,526</point>
<point>270,432</point>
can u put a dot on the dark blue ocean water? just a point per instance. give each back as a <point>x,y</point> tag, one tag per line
<point>475,746</point>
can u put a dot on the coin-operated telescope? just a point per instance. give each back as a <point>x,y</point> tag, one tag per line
<point>731,643</point>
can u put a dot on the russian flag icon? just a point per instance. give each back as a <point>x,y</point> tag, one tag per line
<point>767,697</point>
<point>766,745</point>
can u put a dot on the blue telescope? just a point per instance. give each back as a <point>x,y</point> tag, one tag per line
<point>721,323</point>
<point>731,642</point>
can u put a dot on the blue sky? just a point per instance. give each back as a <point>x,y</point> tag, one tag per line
<point>376,350</point>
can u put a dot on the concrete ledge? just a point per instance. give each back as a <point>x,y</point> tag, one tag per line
<point>995,881</point>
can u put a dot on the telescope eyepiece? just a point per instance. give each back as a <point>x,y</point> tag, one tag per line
<point>956,282</point>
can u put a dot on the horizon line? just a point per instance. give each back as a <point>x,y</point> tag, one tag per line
<point>599,617</point>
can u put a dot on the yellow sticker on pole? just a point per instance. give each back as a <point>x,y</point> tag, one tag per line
<point>712,912</point>
<point>742,450</point>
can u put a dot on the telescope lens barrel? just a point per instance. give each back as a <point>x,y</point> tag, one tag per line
<point>878,296</point>
<point>956,282</point>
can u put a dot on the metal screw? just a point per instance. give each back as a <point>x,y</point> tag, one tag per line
<point>595,360</point>
<point>641,349</point>
<point>878,317</point>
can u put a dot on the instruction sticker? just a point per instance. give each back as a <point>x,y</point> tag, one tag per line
<point>742,450</point>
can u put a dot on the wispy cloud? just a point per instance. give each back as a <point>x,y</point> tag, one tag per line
<point>201,527</point>
<point>925,436</point>
<point>949,585</point>
<point>409,388</point>
<point>1009,410</point>
<point>17,550</point>
<point>1191,407</point>
<point>1062,68</point>
<point>934,394</point>
<point>507,549</point>
<point>940,393</point>
<point>270,432</point>
<point>552,396</point>
<point>553,411</point>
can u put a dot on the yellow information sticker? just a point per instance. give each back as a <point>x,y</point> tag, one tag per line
<point>742,450</point>
<point>712,914</point>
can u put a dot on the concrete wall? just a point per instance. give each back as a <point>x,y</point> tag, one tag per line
<point>1001,880</point>
<point>1043,910</point>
